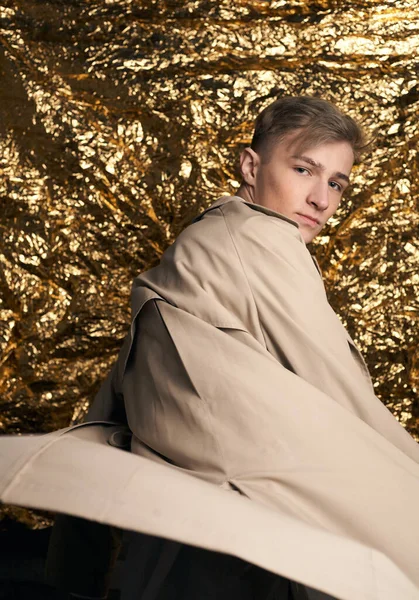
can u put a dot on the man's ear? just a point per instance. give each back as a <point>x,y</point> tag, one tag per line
<point>249,163</point>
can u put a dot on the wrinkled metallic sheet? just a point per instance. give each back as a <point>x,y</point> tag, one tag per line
<point>120,120</point>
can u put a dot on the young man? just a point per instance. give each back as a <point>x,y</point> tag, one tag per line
<point>237,371</point>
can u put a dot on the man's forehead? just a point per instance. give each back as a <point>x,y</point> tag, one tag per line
<point>296,144</point>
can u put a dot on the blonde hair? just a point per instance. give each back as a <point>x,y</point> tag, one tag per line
<point>314,121</point>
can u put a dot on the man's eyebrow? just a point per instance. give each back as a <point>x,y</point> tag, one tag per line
<point>318,165</point>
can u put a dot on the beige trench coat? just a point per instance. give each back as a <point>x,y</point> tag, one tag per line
<point>237,371</point>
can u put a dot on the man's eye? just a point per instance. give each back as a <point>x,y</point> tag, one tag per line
<point>302,170</point>
<point>336,186</point>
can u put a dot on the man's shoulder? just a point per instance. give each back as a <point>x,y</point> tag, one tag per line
<point>252,227</point>
<point>233,222</point>
<point>219,207</point>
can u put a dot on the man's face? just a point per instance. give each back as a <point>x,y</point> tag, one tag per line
<point>304,186</point>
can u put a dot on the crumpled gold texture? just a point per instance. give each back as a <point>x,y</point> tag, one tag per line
<point>120,120</point>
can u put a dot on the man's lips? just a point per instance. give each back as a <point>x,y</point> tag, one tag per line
<point>309,220</point>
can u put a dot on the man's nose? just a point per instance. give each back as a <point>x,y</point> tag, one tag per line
<point>319,196</point>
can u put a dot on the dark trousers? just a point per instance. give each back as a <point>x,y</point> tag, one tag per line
<point>180,572</point>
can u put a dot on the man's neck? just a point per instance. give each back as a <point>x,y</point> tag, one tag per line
<point>243,192</point>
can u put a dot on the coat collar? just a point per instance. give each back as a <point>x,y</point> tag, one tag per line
<point>258,207</point>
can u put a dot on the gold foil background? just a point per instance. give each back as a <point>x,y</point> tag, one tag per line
<point>120,120</point>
